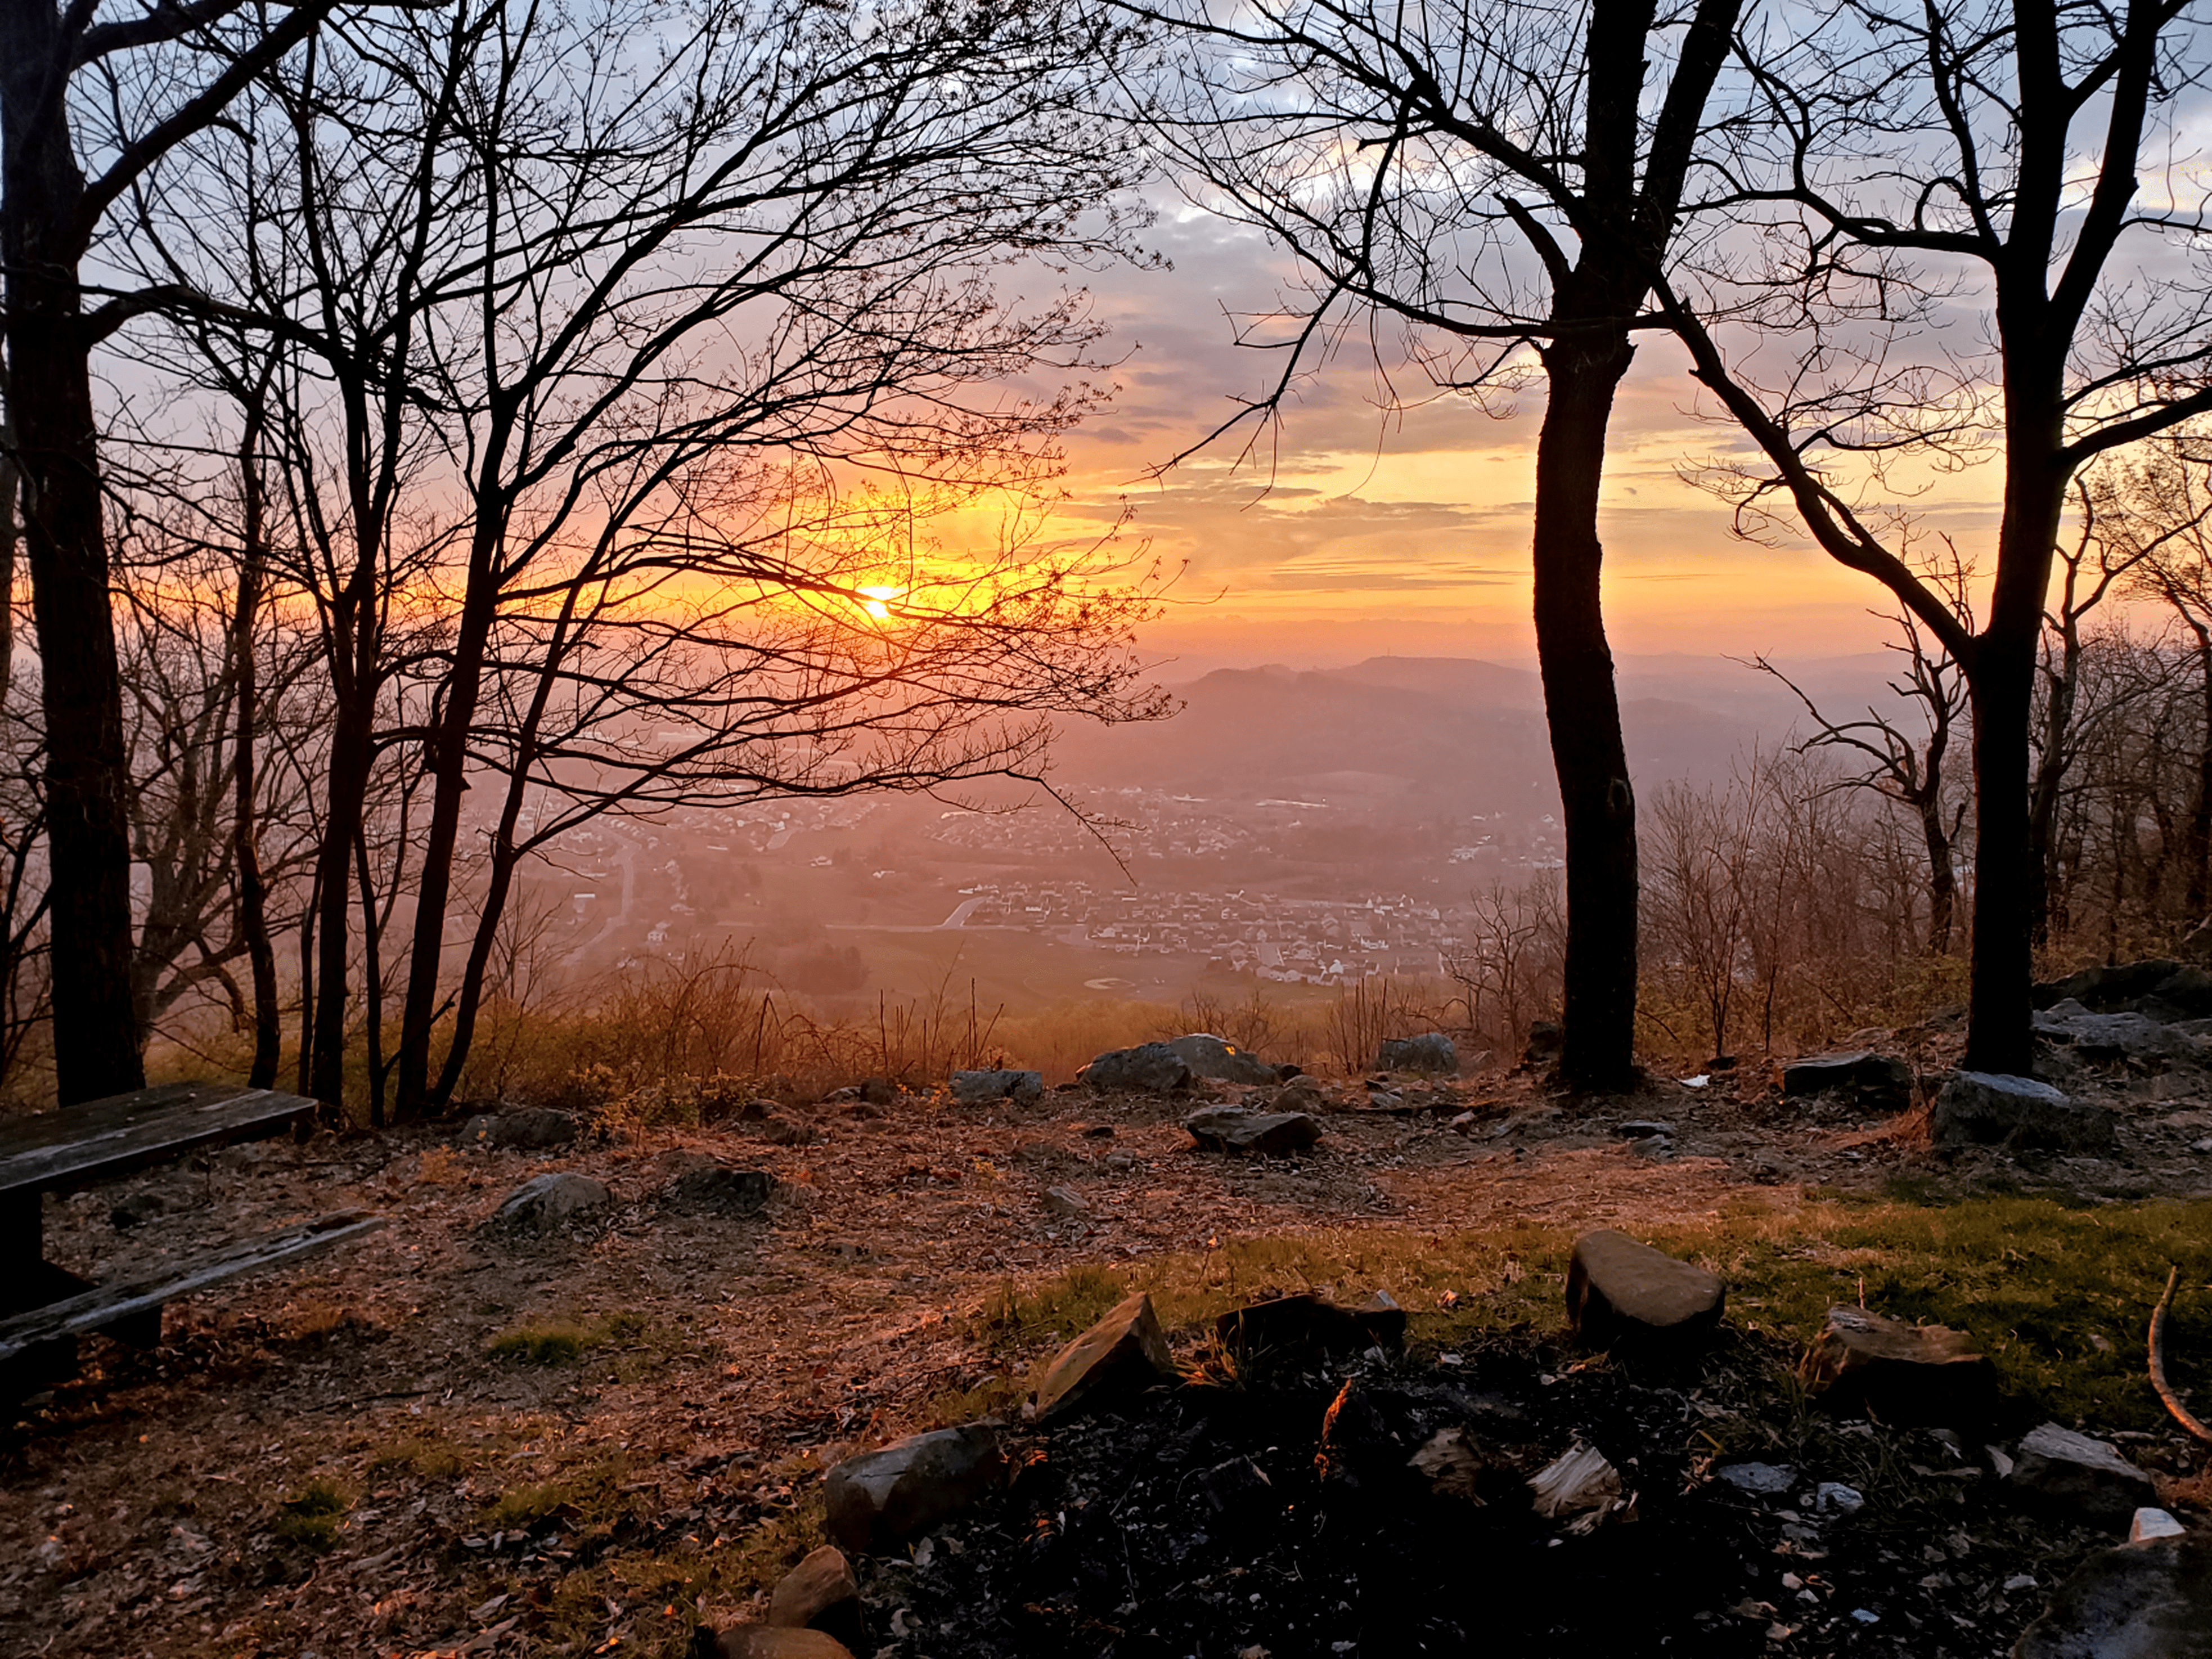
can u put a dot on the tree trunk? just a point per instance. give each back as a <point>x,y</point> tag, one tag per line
<point>1943,877</point>
<point>253,888</point>
<point>342,820</point>
<point>96,1039</point>
<point>2199,848</point>
<point>1583,711</point>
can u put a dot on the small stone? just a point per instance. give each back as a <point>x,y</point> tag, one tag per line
<point>1216,1057</point>
<point>2060,1468</point>
<point>717,1189</point>
<point>1834,1497</point>
<point>820,1592</point>
<point>1620,1291</point>
<point>1229,1129</point>
<point>1120,1161</point>
<point>973,1088</point>
<point>136,1210</point>
<point>1547,1040</point>
<point>1122,1355</point>
<point>535,1129</point>
<point>1761,1480</point>
<point>883,1498</point>
<point>1300,1094</point>
<point>2149,1524</point>
<point>1064,1201</point>
<point>1881,1082</point>
<point>1643,1129</point>
<point>1982,1108</point>
<point>558,1198</point>
<point>1148,1068</point>
<point>778,1130</point>
<point>1305,1325</point>
<point>1431,1051</point>
<point>1901,1373</point>
<point>772,1642</point>
<point>2149,1601</point>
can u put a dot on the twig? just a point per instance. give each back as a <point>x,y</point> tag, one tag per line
<point>2181,1412</point>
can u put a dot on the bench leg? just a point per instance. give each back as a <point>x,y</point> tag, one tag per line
<point>141,1330</point>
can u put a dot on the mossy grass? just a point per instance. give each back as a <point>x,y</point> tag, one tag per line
<point>311,1517</point>
<point>563,1341</point>
<point>2057,1294</point>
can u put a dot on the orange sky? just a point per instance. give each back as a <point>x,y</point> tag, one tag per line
<point>1411,536</point>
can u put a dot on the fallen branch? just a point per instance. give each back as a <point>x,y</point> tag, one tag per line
<point>2181,1412</point>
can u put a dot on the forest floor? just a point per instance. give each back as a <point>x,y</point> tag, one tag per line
<point>448,1440</point>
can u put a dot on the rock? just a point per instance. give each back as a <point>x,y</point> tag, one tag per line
<point>1834,1497</point>
<point>1065,1201</point>
<point>2153,1523</point>
<point>1148,1068</point>
<point>2061,1469</point>
<point>1760,1480</point>
<point>1621,1292</point>
<point>1122,1355</point>
<point>1211,1056</point>
<point>1901,1373</point>
<point>1301,1094</point>
<point>556,1199</point>
<point>769,1642</point>
<point>878,1090</point>
<point>1546,1040</point>
<point>883,1498</point>
<point>2103,1038</point>
<point>1304,1326</point>
<point>2105,988</point>
<point>1878,1082</point>
<point>779,1130</point>
<point>1980,1107</point>
<point>972,1088</point>
<point>2151,1600</point>
<point>1644,1128</point>
<point>717,1189</point>
<point>1229,1129</point>
<point>1431,1051</point>
<point>136,1211</point>
<point>820,1594</point>
<point>535,1129</point>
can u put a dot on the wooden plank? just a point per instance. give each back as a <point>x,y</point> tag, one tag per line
<point>143,1290</point>
<point>79,1145</point>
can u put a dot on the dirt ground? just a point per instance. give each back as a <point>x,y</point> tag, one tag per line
<point>346,1457</point>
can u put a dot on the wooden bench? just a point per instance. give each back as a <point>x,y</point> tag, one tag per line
<point>44,1308</point>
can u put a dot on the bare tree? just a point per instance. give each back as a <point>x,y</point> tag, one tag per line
<point>1390,149</point>
<point>1907,156</point>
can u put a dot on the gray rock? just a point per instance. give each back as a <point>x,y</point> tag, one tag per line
<point>972,1088</point>
<point>1214,1057</point>
<point>1148,1068</point>
<point>1644,1128</point>
<point>2149,1523</point>
<point>1761,1480</point>
<point>556,1199</point>
<point>1546,1040</point>
<point>1621,1292</point>
<point>717,1189</point>
<point>1431,1051</point>
<point>1982,1108</point>
<point>2107,1037</point>
<point>1228,1129</point>
<point>1834,1497</point>
<point>1123,1355</point>
<point>883,1498</point>
<point>2151,1600</point>
<point>1879,1082</point>
<point>1899,1373</point>
<point>779,1129</point>
<point>535,1129</point>
<point>1305,1325</point>
<point>2061,1469</point>
<point>1064,1201</point>
<point>2107,987</point>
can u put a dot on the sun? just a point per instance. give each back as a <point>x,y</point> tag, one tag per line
<point>879,599</point>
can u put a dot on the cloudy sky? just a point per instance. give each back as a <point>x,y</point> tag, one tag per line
<point>1353,532</point>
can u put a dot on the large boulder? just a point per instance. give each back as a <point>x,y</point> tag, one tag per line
<point>2148,1601</point>
<point>2107,987</point>
<point>1216,1057</point>
<point>1148,1068</point>
<point>1431,1051</point>
<point>532,1129</point>
<point>559,1198</point>
<point>2103,1038</point>
<point>1122,1356</point>
<point>1876,1082</point>
<point>2188,989</point>
<point>1229,1129</point>
<point>2059,1469</point>
<point>1983,1109</point>
<point>1621,1293</point>
<point>882,1498</point>
<point>973,1088</point>
<point>1899,1373</point>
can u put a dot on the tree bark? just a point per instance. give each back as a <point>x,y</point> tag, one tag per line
<point>253,888</point>
<point>1583,711</point>
<point>42,239</point>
